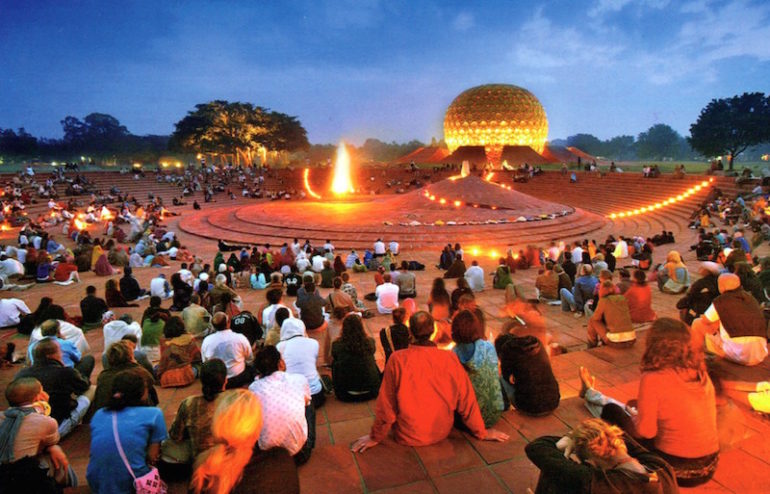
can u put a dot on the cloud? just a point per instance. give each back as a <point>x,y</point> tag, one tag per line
<point>542,45</point>
<point>603,7</point>
<point>463,21</point>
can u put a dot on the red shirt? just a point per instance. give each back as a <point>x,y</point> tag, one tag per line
<point>63,271</point>
<point>679,413</point>
<point>422,387</point>
<point>640,303</point>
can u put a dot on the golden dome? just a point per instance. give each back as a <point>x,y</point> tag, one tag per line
<point>494,116</point>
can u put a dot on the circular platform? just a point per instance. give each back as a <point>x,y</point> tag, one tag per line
<point>485,215</point>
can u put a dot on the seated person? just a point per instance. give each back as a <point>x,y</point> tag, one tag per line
<point>502,275</point>
<point>355,374</point>
<point>407,282</point>
<point>611,323</point>
<point>598,457</point>
<point>479,359</point>
<point>92,308</point>
<point>190,432</point>
<point>236,427</point>
<point>734,326</point>
<point>70,393</point>
<point>287,410</point>
<point>422,411</point>
<point>396,336</point>
<point>31,459</point>
<point>639,298</point>
<point>180,356</point>
<point>386,295</point>
<point>676,413</point>
<point>340,302</point>
<point>547,284</point>
<point>300,354</point>
<point>120,356</point>
<point>700,294</point>
<point>457,269</point>
<point>71,355</point>
<point>526,374</point>
<point>475,276</point>
<point>230,347</point>
<point>673,276</point>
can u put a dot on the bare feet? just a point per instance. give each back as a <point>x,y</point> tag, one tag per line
<point>587,381</point>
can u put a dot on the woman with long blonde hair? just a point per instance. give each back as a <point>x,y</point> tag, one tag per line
<point>232,465</point>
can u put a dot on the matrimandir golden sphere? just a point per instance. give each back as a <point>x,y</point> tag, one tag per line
<point>494,116</point>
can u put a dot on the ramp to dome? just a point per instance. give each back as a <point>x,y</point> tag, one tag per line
<point>475,155</point>
<point>473,190</point>
<point>426,154</point>
<point>518,155</point>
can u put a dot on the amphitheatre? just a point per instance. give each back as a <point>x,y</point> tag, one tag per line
<point>423,209</point>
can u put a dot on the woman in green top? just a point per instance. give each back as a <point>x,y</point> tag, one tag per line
<point>355,374</point>
<point>479,358</point>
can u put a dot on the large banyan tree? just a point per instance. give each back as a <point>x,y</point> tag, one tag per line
<point>241,130</point>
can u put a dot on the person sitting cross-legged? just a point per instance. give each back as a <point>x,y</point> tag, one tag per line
<point>610,324</point>
<point>422,389</point>
<point>355,374</point>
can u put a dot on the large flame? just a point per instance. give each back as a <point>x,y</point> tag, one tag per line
<point>342,183</point>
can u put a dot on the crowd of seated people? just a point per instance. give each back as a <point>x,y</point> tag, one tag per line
<point>262,368</point>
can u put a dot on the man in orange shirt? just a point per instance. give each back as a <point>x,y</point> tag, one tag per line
<point>422,410</point>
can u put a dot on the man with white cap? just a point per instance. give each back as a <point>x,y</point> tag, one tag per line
<point>734,326</point>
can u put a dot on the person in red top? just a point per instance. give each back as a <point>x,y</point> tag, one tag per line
<point>421,410</point>
<point>639,297</point>
<point>675,415</point>
<point>66,272</point>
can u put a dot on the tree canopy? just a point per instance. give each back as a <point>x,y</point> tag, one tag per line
<point>731,125</point>
<point>660,141</point>
<point>237,128</point>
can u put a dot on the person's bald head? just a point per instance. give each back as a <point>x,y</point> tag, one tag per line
<point>23,391</point>
<point>421,325</point>
<point>219,321</point>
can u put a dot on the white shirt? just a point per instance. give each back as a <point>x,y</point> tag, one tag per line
<point>577,255</point>
<point>379,247</point>
<point>318,263</point>
<point>328,246</point>
<point>158,287</point>
<point>746,350</point>
<point>387,298</point>
<point>283,397</point>
<point>295,249</point>
<point>302,264</point>
<point>230,347</point>
<point>186,276</point>
<point>553,253</point>
<point>11,267</point>
<point>393,246</point>
<point>300,354</point>
<point>475,277</point>
<point>11,310</point>
<point>268,315</point>
<point>114,331</point>
<point>621,250</point>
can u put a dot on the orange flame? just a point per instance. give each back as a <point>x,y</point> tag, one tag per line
<point>342,184</point>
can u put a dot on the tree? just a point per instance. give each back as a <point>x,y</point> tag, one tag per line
<point>97,132</point>
<point>237,128</point>
<point>729,126</point>
<point>19,142</point>
<point>620,148</point>
<point>660,141</point>
<point>586,142</point>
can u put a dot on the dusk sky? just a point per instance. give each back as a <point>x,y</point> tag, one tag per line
<point>352,69</point>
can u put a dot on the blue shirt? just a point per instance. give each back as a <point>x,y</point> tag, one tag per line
<point>70,355</point>
<point>138,427</point>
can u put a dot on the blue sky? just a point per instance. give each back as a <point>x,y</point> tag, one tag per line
<point>352,69</point>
